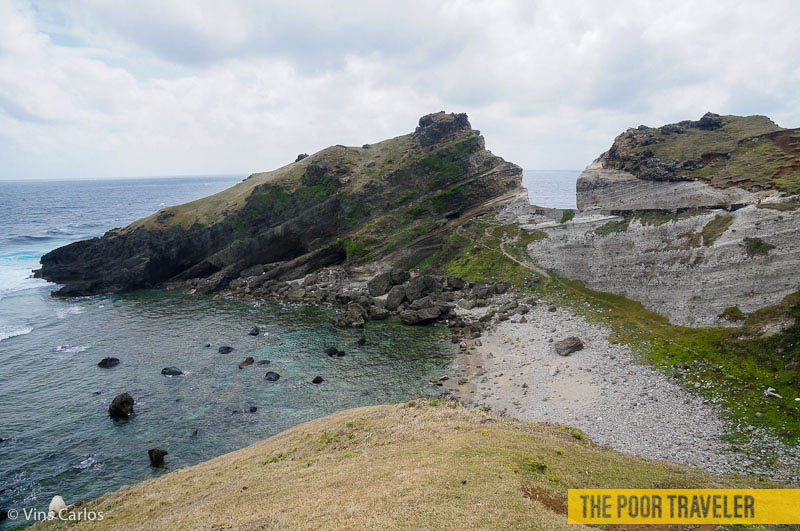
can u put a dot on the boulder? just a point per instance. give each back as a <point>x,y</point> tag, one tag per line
<point>380,284</point>
<point>331,351</point>
<point>421,286</point>
<point>412,317</point>
<point>253,409</point>
<point>317,380</point>
<point>254,331</point>
<point>56,505</point>
<point>225,350</point>
<point>455,283</point>
<point>300,157</point>
<point>121,407</point>
<point>376,313</point>
<point>354,317</point>
<point>482,290</point>
<point>171,371</point>
<point>501,287</point>
<point>567,346</point>
<point>272,376</point>
<point>107,363</point>
<point>395,298</point>
<point>263,362</point>
<point>400,276</point>
<point>247,361</point>
<point>156,456</point>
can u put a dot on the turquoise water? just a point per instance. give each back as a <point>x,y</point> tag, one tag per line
<point>54,398</point>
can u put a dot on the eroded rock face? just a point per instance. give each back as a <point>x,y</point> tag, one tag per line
<point>308,215</point>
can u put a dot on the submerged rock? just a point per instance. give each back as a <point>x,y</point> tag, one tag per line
<point>331,351</point>
<point>247,361</point>
<point>107,363</point>
<point>254,331</point>
<point>121,407</point>
<point>317,380</point>
<point>272,376</point>
<point>263,362</point>
<point>171,371</point>
<point>225,350</point>
<point>156,456</point>
<point>567,346</point>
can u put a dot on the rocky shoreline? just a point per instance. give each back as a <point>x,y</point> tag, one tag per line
<point>605,391</point>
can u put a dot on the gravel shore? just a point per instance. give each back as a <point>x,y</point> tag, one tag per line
<point>603,391</point>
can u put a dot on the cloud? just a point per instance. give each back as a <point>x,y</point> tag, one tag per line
<point>104,89</point>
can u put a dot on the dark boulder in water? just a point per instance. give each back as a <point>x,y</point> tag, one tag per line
<point>317,380</point>
<point>263,362</point>
<point>254,331</point>
<point>171,371</point>
<point>225,350</point>
<point>107,363</point>
<point>156,456</point>
<point>121,407</point>
<point>253,409</point>
<point>331,351</point>
<point>272,376</point>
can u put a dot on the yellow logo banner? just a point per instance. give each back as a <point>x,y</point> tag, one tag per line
<point>684,506</point>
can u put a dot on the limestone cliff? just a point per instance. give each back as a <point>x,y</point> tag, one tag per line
<point>340,206</point>
<point>697,220</point>
<point>715,161</point>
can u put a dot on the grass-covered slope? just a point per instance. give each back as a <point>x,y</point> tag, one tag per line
<point>421,465</point>
<point>340,205</point>
<point>750,152</point>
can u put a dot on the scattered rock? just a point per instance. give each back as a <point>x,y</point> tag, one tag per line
<point>121,407</point>
<point>331,351</point>
<point>263,362</point>
<point>501,287</point>
<point>247,361</point>
<point>253,409</point>
<point>56,505</point>
<point>225,350</point>
<point>551,308</point>
<point>412,317</point>
<point>567,346</point>
<point>207,345</point>
<point>156,456</point>
<point>272,376</point>
<point>395,298</point>
<point>380,284</point>
<point>771,393</point>
<point>300,157</point>
<point>107,363</point>
<point>254,331</point>
<point>317,380</point>
<point>171,371</point>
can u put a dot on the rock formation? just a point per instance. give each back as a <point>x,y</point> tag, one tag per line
<point>341,206</point>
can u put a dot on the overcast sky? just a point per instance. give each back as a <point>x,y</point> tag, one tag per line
<point>154,87</point>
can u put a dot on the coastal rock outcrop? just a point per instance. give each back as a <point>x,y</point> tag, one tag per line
<point>121,407</point>
<point>343,206</point>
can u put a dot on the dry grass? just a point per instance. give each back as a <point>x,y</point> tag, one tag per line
<point>411,466</point>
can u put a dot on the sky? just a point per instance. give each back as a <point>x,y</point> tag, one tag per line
<point>102,89</point>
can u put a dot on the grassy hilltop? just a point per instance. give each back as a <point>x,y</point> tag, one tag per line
<point>420,465</point>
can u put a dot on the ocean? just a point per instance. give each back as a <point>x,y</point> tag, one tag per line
<point>56,435</point>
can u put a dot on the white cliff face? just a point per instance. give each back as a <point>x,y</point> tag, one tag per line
<point>671,269</point>
<point>604,188</point>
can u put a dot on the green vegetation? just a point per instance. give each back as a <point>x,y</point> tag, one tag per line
<point>613,226</point>
<point>567,215</point>
<point>757,247</point>
<point>731,366</point>
<point>449,163</point>
<point>390,467</point>
<point>715,228</point>
<point>732,313</point>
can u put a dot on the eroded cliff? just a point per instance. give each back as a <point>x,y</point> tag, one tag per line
<point>340,206</point>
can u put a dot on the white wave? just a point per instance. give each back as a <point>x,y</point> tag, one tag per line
<point>7,334</point>
<point>70,350</point>
<point>70,310</point>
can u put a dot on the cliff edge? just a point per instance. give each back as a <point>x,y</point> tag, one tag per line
<point>341,206</point>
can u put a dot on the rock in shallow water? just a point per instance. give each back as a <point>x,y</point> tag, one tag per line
<point>254,331</point>
<point>107,363</point>
<point>156,456</point>
<point>225,350</point>
<point>121,407</point>
<point>272,376</point>
<point>171,371</point>
<point>318,380</point>
<point>247,361</point>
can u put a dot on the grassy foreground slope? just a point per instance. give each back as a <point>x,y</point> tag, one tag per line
<point>421,465</point>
